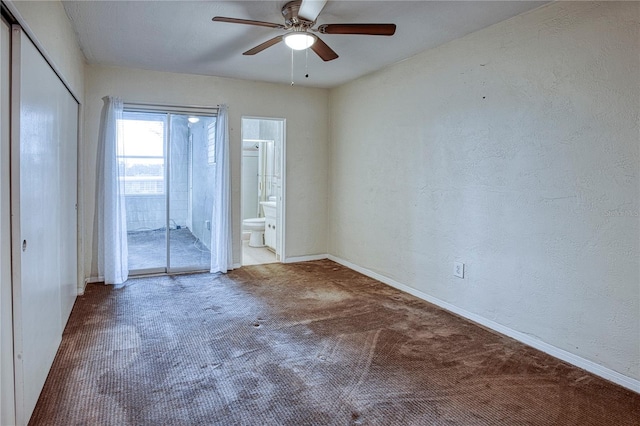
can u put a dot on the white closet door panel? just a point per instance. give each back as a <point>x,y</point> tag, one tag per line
<point>68,202</point>
<point>7,414</point>
<point>42,209</point>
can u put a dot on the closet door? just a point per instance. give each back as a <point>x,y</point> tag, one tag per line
<point>43,187</point>
<point>6,318</point>
<point>68,202</point>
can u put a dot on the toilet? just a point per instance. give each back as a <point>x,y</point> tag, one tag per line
<point>256,226</point>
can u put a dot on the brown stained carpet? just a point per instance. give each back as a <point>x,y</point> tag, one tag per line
<point>303,344</point>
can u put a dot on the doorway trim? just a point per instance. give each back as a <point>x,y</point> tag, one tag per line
<point>281,220</point>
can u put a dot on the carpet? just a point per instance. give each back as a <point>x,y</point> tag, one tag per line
<point>311,343</point>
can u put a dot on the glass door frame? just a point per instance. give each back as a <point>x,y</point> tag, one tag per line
<point>168,111</point>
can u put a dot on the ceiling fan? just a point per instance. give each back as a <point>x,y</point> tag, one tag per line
<point>299,18</point>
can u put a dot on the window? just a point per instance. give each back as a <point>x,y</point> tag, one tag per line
<point>141,153</point>
<point>211,143</point>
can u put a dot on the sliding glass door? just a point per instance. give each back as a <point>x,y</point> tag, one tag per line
<point>143,170</point>
<point>191,184</point>
<point>167,174</point>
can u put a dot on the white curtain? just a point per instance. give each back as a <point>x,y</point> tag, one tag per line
<point>221,256</point>
<point>110,204</point>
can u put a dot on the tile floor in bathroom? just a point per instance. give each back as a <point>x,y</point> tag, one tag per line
<point>256,255</point>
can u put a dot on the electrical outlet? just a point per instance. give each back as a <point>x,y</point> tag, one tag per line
<point>207,223</point>
<point>458,269</point>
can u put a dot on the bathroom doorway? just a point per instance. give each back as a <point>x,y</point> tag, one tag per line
<point>263,190</point>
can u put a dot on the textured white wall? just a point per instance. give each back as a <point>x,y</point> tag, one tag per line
<point>515,150</point>
<point>306,112</point>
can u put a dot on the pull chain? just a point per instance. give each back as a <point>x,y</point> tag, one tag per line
<point>306,63</point>
<point>291,67</point>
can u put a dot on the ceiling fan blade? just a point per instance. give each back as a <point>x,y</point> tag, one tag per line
<point>323,50</point>
<point>364,29</point>
<point>310,9</point>
<point>246,22</point>
<point>259,48</point>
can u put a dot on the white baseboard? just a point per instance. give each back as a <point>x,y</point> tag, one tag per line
<point>309,258</point>
<point>597,369</point>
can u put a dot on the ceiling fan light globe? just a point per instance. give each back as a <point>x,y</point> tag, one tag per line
<point>299,41</point>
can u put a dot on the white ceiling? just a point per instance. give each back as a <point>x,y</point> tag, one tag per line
<point>179,36</point>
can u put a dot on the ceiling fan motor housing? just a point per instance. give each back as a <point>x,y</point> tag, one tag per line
<point>291,18</point>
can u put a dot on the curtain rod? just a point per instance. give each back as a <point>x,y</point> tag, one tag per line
<point>176,108</point>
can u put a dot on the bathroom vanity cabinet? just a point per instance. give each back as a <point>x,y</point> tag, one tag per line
<point>270,212</point>
<point>270,232</point>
